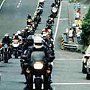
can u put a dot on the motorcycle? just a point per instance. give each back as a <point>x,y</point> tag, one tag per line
<point>16,48</point>
<point>6,53</point>
<point>84,64</point>
<point>54,11</point>
<point>38,72</point>
<point>88,70</point>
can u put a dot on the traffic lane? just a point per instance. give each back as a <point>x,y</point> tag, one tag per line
<point>13,18</point>
<point>44,16</point>
<point>11,79</point>
<point>71,87</point>
<point>67,75</point>
<point>7,16</point>
<point>63,24</point>
<point>64,9</point>
<point>64,54</point>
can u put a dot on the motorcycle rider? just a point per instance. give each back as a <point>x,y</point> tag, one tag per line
<point>26,55</point>
<point>17,37</point>
<point>47,31</point>
<point>54,11</point>
<point>7,40</point>
<point>41,2</point>
<point>41,45</point>
<point>29,20</point>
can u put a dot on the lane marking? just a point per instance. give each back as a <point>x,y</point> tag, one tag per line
<point>63,19</point>
<point>19,3</point>
<point>2,3</point>
<point>70,84</point>
<point>59,14</point>
<point>36,8</point>
<point>62,59</point>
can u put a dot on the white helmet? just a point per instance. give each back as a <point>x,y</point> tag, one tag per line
<point>6,35</point>
<point>18,32</point>
<point>38,41</point>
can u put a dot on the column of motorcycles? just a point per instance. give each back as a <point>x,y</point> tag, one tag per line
<point>36,51</point>
<point>36,62</point>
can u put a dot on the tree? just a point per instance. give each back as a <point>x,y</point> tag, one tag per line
<point>85,36</point>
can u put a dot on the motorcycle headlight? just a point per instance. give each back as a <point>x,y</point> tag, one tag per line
<point>38,65</point>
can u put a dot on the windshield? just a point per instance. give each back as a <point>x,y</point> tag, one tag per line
<point>37,56</point>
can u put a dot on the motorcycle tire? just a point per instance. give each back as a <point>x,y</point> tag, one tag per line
<point>16,55</point>
<point>88,76</point>
<point>5,58</point>
<point>38,83</point>
<point>30,82</point>
<point>84,70</point>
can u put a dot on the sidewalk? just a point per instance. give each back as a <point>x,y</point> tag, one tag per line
<point>72,10</point>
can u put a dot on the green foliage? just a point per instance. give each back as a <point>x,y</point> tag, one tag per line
<point>85,36</point>
<point>71,1</point>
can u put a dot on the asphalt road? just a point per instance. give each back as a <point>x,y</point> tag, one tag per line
<point>13,15</point>
<point>67,73</point>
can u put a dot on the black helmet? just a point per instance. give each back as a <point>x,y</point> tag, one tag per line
<point>30,40</point>
<point>29,16</point>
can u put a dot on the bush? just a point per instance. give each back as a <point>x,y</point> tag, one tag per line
<point>71,1</point>
<point>85,36</point>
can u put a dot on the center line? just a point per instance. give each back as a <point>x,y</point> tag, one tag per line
<point>57,22</point>
<point>19,4</point>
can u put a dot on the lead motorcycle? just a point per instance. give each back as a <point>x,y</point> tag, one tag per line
<point>38,72</point>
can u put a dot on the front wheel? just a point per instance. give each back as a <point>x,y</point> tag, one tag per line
<point>84,70</point>
<point>38,83</point>
<point>5,58</point>
<point>15,54</point>
<point>88,76</point>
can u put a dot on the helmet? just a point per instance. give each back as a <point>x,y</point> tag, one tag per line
<point>29,16</point>
<point>38,41</point>
<point>30,40</point>
<point>18,32</point>
<point>6,35</point>
<point>16,36</point>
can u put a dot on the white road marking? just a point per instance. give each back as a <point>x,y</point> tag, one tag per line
<point>62,59</point>
<point>84,7</point>
<point>63,19</point>
<point>59,13</point>
<point>19,4</point>
<point>36,8</point>
<point>2,3</point>
<point>70,84</point>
